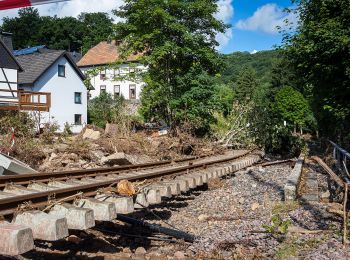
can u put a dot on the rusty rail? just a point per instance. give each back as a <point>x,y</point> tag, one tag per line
<point>24,179</point>
<point>9,206</point>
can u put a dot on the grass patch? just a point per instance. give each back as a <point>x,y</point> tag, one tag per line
<point>283,208</point>
<point>287,250</point>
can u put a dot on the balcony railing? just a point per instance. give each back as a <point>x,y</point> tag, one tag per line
<point>24,100</point>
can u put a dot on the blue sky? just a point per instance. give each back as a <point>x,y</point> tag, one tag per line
<point>253,21</point>
<point>253,25</point>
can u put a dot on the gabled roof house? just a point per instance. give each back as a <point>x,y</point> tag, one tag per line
<point>55,72</point>
<point>106,57</point>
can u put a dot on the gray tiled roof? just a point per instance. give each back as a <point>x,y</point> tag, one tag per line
<point>36,64</point>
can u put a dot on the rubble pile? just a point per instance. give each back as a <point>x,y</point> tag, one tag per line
<point>95,148</point>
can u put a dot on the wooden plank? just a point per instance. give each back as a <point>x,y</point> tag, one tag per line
<point>333,175</point>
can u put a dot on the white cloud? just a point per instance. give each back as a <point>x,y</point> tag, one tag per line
<point>266,19</point>
<point>253,52</point>
<point>71,8</point>
<point>225,14</point>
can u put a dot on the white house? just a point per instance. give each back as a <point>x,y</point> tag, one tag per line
<point>54,72</point>
<point>9,68</point>
<point>112,76</point>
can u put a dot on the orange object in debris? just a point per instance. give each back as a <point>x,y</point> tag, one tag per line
<point>126,188</point>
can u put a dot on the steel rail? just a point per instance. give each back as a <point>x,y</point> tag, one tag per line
<point>64,175</point>
<point>8,206</point>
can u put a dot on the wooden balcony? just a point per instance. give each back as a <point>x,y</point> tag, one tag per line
<point>24,100</point>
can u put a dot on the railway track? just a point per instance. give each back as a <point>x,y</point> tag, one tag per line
<point>45,205</point>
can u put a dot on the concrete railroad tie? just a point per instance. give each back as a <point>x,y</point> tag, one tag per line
<point>17,237</point>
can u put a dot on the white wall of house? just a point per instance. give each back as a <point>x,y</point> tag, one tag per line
<point>8,81</point>
<point>63,107</point>
<point>105,80</point>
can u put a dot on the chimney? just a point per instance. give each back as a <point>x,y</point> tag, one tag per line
<point>7,39</point>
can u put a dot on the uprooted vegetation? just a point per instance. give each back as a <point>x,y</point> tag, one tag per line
<point>93,147</point>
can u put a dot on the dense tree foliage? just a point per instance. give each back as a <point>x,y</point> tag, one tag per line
<point>177,39</point>
<point>245,84</point>
<point>262,63</point>
<point>97,28</point>
<point>320,54</point>
<point>292,106</point>
<point>68,33</point>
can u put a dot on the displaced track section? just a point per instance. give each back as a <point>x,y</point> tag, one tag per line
<point>46,210</point>
<point>64,175</point>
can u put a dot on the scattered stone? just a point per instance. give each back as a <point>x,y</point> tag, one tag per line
<point>140,251</point>
<point>127,250</point>
<point>91,134</point>
<point>179,255</point>
<point>111,129</point>
<point>325,195</point>
<point>202,217</point>
<point>74,239</point>
<point>241,200</point>
<point>255,206</point>
<point>60,148</point>
<point>115,159</point>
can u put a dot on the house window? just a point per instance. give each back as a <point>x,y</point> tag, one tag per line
<point>61,70</point>
<point>102,89</point>
<point>103,76</point>
<point>132,91</point>
<point>77,97</point>
<point>77,119</point>
<point>116,91</point>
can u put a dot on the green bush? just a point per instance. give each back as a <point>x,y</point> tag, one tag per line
<point>105,109</point>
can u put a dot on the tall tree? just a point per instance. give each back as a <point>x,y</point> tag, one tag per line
<point>177,39</point>
<point>97,28</point>
<point>68,33</point>
<point>320,53</point>
<point>61,33</point>
<point>246,84</point>
<point>25,27</point>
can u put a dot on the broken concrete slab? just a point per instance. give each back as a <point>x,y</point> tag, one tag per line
<point>15,239</point>
<point>116,159</point>
<point>91,134</point>
<point>44,226</point>
<point>12,166</point>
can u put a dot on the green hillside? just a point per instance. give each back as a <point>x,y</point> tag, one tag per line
<point>262,62</point>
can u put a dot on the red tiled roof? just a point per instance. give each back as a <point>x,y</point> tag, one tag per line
<point>104,53</point>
